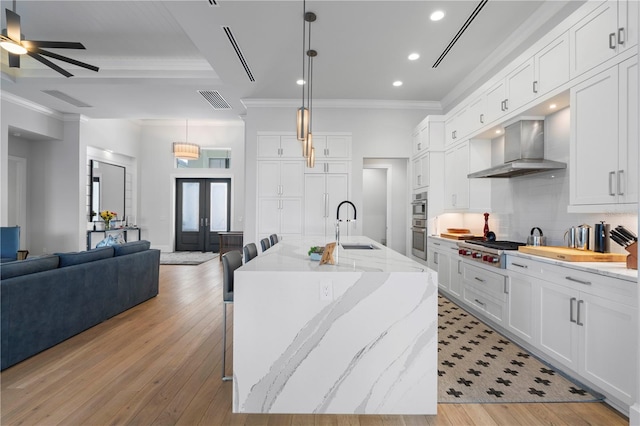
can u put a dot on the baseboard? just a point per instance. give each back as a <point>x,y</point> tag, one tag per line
<point>634,414</point>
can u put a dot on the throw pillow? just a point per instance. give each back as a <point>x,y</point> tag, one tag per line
<point>111,240</point>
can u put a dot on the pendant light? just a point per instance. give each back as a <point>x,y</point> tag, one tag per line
<point>185,150</point>
<point>302,116</point>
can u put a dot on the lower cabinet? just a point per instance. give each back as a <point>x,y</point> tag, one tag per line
<point>323,193</point>
<point>520,307</point>
<point>282,216</point>
<point>485,291</point>
<point>443,258</point>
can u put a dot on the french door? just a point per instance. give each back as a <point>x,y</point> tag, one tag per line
<point>203,208</point>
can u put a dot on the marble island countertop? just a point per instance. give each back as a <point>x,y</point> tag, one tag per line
<point>292,255</point>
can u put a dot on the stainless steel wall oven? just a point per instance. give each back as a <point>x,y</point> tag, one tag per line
<point>419,207</point>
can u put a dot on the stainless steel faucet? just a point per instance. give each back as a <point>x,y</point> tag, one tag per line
<point>338,220</point>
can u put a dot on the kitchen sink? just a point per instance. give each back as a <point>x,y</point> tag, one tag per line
<point>359,247</point>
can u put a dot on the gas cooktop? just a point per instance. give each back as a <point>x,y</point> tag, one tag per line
<point>498,245</point>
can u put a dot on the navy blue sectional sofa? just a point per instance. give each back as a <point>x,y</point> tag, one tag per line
<point>46,300</point>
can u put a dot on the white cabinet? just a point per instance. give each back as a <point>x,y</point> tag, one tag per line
<point>332,146</point>
<point>460,192</point>
<point>495,105</point>
<point>275,146</point>
<point>520,320</point>
<point>442,257</point>
<point>604,137</point>
<point>280,195</point>
<point>476,115</point>
<point>455,126</point>
<point>551,65</point>
<point>421,172</point>
<point>282,216</point>
<point>323,193</point>
<point>280,178</point>
<point>485,290</point>
<point>602,34</point>
<point>519,86</point>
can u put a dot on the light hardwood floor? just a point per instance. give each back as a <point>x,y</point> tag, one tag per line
<point>160,363</point>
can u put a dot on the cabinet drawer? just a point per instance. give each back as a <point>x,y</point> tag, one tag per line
<point>486,282</point>
<point>493,310</point>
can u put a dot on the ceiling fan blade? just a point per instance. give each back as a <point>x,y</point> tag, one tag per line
<point>14,60</point>
<point>29,44</point>
<point>50,64</point>
<point>65,59</point>
<point>13,25</point>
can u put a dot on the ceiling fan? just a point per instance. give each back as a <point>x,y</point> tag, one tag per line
<point>12,41</point>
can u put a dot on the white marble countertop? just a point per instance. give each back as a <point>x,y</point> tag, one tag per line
<point>292,255</point>
<point>611,269</point>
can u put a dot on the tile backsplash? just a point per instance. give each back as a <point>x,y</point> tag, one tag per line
<point>537,200</point>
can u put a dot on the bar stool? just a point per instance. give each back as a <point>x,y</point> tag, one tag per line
<point>231,261</point>
<point>265,244</point>
<point>250,251</point>
<point>274,239</point>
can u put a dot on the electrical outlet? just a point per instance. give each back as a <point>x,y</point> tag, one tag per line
<point>326,290</point>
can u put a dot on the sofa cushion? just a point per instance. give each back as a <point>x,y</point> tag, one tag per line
<point>68,259</point>
<point>28,266</point>
<point>132,247</point>
<point>111,240</point>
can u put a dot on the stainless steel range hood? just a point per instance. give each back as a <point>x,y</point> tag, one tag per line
<point>523,152</point>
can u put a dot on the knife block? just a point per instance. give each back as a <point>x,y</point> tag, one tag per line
<point>632,259</point>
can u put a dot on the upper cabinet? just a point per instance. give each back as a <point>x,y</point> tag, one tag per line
<point>604,139</point>
<point>275,146</point>
<point>332,147</point>
<point>461,193</point>
<point>551,65</point>
<point>608,30</point>
<point>456,126</point>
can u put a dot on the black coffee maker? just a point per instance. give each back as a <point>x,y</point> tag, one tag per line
<point>601,241</point>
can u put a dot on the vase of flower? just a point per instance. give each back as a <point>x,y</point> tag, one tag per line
<point>107,216</point>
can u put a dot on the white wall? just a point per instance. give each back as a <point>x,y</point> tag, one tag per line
<point>156,183</point>
<point>376,133</point>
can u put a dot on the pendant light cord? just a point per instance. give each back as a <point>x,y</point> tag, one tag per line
<point>304,33</point>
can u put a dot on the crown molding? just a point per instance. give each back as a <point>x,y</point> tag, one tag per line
<point>343,103</point>
<point>16,100</point>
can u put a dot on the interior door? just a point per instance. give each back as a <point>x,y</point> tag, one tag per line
<point>203,208</point>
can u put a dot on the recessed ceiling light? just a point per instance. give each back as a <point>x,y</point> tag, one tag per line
<point>397,83</point>
<point>437,15</point>
<point>414,56</point>
<point>552,106</point>
<point>300,82</point>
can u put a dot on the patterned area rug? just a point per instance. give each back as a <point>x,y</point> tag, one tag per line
<point>478,365</point>
<point>186,257</point>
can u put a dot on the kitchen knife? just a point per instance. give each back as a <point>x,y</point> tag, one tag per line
<point>620,236</point>
<point>617,239</point>
<point>628,234</point>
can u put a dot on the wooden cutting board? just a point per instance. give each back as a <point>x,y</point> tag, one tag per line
<point>458,236</point>
<point>572,255</point>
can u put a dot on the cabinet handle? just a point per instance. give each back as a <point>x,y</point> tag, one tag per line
<point>573,299</point>
<point>535,87</point>
<point>506,287</point>
<point>502,106</point>
<point>459,263</point>
<point>419,146</point>
<point>481,118</point>
<point>479,302</point>
<point>620,174</point>
<point>454,199</point>
<point>479,279</point>
<point>580,302</point>
<point>519,265</point>
<point>621,35</point>
<point>611,191</point>
<point>326,204</point>
<point>436,244</point>
<point>506,104</point>
<point>435,258</point>
<point>612,41</point>
<point>578,281</point>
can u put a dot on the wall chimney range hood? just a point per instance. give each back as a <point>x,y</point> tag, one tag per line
<point>523,151</point>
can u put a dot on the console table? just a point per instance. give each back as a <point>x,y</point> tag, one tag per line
<point>124,231</point>
<point>229,241</point>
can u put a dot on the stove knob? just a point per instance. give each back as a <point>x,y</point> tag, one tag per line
<point>485,258</point>
<point>477,255</point>
<point>495,259</point>
<point>464,252</point>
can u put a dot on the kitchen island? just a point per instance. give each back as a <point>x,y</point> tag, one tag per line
<point>357,337</point>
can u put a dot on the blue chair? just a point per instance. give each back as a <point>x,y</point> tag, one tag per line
<point>265,244</point>
<point>9,243</point>
<point>274,239</point>
<point>231,261</point>
<point>250,251</point>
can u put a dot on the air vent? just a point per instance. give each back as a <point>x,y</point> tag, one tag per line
<point>213,3</point>
<point>460,32</point>
<point>215,99</point>
<point>235,46</point>
<point>66,98</point>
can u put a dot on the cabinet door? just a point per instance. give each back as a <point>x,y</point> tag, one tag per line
<point>520,306</point>
<point>627,14</point>
<point>415,143</point>
<point>495,95</point>
<point>455,275</point>
<point>337,147</point>
<point>456,183</point>
<point>291,182</point>
<point>608,345</point>
<point>552,65</point>
<point>423,143</point>
<point>268,146</point>
<point>476,115</point>
<point>593,39</point>
<point>268,216</point>
<point>315,205</point>
<point>291,147</point>
<point>337,189</point>
<point>520,86</point>
<point>424,167</point>
<point>449,179</point>
<point>291,216</point>
<point>556,317</point>
<point>269,179</point>
<point>444,271</point>
<point>594,139</point>
<point>628,141</point>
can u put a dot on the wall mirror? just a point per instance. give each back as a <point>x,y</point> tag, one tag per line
<point>107,188</point>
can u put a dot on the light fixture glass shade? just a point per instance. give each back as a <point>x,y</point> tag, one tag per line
<point>13,47</point>
<point>186,150</point>
<point>302,123</point>
<point>307,144</point>
<point>311,160</point>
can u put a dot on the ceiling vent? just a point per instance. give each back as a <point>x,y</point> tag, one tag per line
<point>460,32</point>
<point>215,99</point>
<point>66,98</point>
<point>213,2</point>
<point>235,46</point>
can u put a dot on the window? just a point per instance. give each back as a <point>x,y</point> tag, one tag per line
<point>209,159</point>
